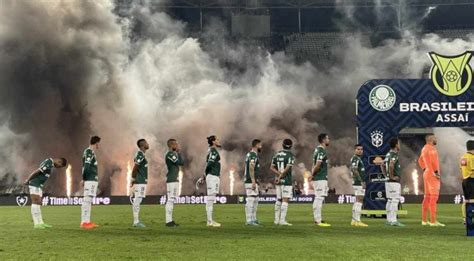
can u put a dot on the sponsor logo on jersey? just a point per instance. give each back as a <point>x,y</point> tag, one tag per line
<point>451,75</point>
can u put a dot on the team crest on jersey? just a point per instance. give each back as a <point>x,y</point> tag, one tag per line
<point>451,75</point>
<point>21,200</point>
<point>377,138</point>
<point>382,97</point>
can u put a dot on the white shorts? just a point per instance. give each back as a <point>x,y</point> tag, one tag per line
<point>36,191</point>
<point>212,183</point>
<point>393,190</point>
<point>320,188</point>
<point>249,191</point>
<point>90,188</point>
<point>359,191</point>
<point>139,190</point>
<point>172,189</point>
<point>284,191</point>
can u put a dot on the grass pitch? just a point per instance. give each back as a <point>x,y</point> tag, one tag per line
<point>116,239</point>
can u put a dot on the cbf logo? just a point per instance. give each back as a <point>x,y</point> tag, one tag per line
<point>451,75</point>
<point>377,138</point>
<point>382,97</point>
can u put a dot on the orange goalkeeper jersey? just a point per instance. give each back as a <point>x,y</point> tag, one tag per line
<point>428,159</point>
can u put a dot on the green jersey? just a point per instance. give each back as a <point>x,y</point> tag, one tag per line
<point>251,159</point>
<point>213,165</point>
<point>392,156</point>
<point>44,172</point>
<point>357,166</point>
<point>89,166</point>
<point>173,161</point>
<point>320,155</point>
<point>282,159</point>
<point>142,163</point>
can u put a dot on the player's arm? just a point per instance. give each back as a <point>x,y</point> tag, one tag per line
<point>391,169</point>
<point>434,161</point>
<point>317,162</point>
<point>288,167</point>
<point>355,169</point>
<point>274,169</point>
<point>138,161</point>
<point>316,167</point>
<point>285,171</point>
<point>383,167</point>
<point>33,175</point>
<point>421,161</point>
<point>134,173</point>
<point>180,161</point>
<point>210,162</point>
<point>252,173</point>
<point>463,167</point>
<point>87,164</point>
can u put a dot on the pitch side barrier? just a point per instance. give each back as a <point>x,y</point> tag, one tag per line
<point>48,200</point>
<point>385,107</point>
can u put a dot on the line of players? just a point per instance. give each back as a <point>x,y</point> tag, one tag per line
<point>281,165</point>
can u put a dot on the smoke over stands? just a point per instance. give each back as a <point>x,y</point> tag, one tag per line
<point>72,69</point>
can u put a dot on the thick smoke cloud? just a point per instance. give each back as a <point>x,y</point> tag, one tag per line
<point>75,68</point>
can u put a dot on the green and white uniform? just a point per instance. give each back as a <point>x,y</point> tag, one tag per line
<point>89,173</point>
<point>213,171</point>
<point>36,184</point>
<point>392,187</point>
<point>280,161</point>
<point>357,166</point>
<point>141,179</point>
<point>173,162</point>
<point>320,178</point>
<point>251,159</point>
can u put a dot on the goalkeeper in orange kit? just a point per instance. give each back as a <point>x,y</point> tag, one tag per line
<point>429,162</point>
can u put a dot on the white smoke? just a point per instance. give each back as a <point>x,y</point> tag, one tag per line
<point>157,83</point>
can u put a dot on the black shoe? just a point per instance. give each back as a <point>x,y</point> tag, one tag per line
<point>171,224</point>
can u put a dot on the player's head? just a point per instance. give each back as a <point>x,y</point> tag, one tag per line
<point>257,144</point>
<point>323,138</point>
<point>213,140</point>
<point>430,138</point>
<point>287,144</point>
<point>394,144</point>
<point>60,162</point>
<point>95,140</point>
<point>142,144</point>
<point>172,144</point>
<point>358,149</point>
<point>470,145</point>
